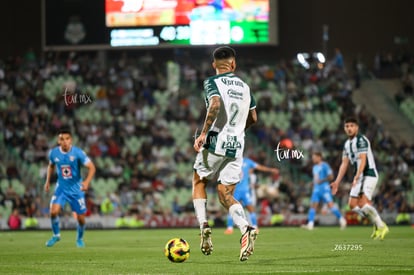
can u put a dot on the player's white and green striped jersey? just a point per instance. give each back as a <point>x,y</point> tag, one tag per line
<point>226,135</point>
<point>356,146</point>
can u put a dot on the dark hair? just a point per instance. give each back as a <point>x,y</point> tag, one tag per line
<point>351,120</point>
<point>317,153</point>
<point>224,52</point>
<point>64,130</point>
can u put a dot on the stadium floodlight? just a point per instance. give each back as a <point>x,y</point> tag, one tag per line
<point>320,57</point>
<point>302,59</point>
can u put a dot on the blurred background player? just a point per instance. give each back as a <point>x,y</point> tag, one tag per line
<point>357,152</point>
<point>322,175</point>
<point>69,187</point>
<point>231,109</point>
<point>244,191</point>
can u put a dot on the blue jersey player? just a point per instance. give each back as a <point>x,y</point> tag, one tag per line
<point>322,175</point>
<point>244,192</point>
<point>68,160</point>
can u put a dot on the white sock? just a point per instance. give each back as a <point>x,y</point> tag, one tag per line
<point>239,217</point>
<point>358,210</point>
<point>372,213</point>
<point>311,224</point>
<point>200,207</point>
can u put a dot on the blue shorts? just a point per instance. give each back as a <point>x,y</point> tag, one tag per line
<point>245,198</point>
<point>321,193</point>
<point>76,201</point>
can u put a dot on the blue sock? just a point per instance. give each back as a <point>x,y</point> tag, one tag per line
<point>55,226</point>
<point>229,221</point>
<point>336,212</point>
<point>81,230</point>
<point>253,219</point>
<point>311,215</point>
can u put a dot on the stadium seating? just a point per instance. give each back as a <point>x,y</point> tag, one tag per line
<point>316,113</point>
<point>407,107</point>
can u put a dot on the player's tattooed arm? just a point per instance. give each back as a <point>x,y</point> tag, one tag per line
<point>212,112</point>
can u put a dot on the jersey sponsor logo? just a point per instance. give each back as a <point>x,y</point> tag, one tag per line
<point>66,171</point>
<point>362,143</point>
<point>235,94</point>
<point>229,82</point>
<point>231,143</point>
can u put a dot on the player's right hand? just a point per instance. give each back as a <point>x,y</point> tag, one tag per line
<point>334,187</point>
<point>47,187</point>
<point>199,142</point>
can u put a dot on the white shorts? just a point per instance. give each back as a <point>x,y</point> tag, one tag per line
<point>225,170</point>
<point>366,185</point>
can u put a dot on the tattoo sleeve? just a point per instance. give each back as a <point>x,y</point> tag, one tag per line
<point>212,112</point>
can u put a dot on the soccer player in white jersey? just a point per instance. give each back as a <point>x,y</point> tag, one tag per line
<point>70,187</point>
<point>231,109</point>
<point>357,152</point>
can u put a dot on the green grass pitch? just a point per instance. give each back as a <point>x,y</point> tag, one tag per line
<point>278,250</point>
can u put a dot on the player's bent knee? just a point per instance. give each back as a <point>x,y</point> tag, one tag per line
<point>54,214</point>
<point>81,219</point>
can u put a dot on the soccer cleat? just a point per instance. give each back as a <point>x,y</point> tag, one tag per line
<point>307,226</point>
<point>51,242</point>
<point>80,243</point>
<point>228,231</point>
<point>381,232</point>
<point>206,244</point>
<point>374,232</point>
<point>342,223</point>
<point>247,243</point>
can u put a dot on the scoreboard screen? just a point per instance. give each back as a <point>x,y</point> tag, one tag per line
<point>158,23</point>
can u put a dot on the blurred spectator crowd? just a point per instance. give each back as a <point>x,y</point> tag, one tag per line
<point>136,117</point>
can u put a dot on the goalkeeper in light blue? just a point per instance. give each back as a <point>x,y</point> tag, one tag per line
<point>321,193</point>
<point>67,160</point>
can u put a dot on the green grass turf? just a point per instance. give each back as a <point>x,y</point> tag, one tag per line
<point>278,250</point>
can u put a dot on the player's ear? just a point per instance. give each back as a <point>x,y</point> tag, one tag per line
<point>214,65</point>
<point>233,64</point>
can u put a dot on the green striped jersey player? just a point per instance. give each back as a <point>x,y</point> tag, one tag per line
<point>357,152</point>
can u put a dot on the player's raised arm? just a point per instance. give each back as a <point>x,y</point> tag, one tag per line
<point>266,169</point>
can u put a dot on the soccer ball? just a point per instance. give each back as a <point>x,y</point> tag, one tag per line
<point>177,250</point>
